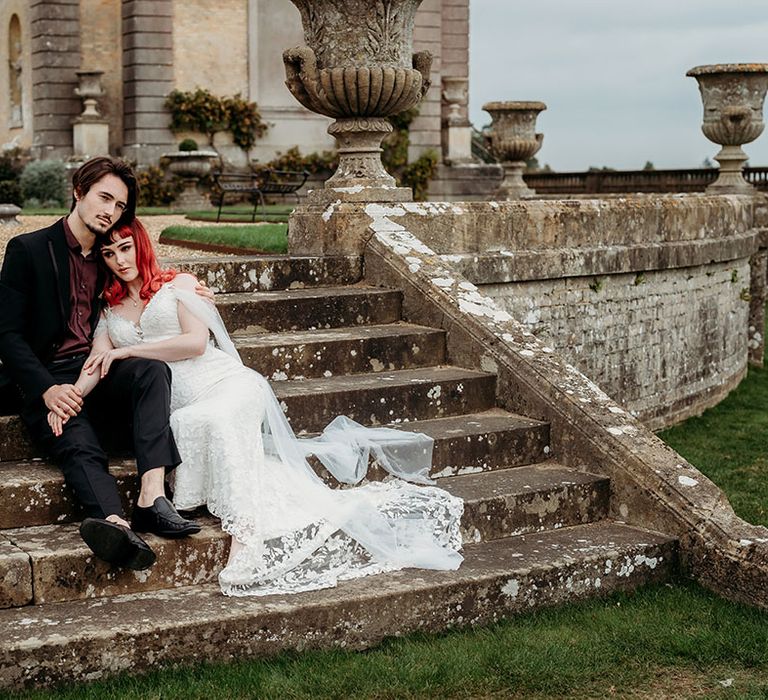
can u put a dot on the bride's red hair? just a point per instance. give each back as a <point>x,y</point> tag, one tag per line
<point>151,273</point>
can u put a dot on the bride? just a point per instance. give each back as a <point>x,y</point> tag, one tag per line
<point>289,531</point>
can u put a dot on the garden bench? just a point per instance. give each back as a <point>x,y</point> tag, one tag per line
<point>258,184</point>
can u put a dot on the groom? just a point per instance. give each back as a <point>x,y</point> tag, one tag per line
<point>49,306</point>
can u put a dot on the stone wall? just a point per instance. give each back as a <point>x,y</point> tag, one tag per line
<point>101,48</point>
<point>273,26</point>
<point>147,77</point>
<point>13,129</point>
<point>55,39</point>
<point>649,296</point>
<point>428,36</point>
<point>665,344</point>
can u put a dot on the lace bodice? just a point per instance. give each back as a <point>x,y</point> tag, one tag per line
<point>192,378</point>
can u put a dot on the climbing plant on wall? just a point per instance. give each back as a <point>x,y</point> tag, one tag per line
<point>201,111</point>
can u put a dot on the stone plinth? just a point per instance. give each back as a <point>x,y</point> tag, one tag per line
<point>8,214</point>
<point>90,138</point>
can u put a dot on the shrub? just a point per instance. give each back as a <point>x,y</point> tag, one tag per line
<point>292,159</point>
<point>188,145</point>
<point>10,192</point>
<point>45,181</point>
<point>155,190</point>
<point>9,168</point>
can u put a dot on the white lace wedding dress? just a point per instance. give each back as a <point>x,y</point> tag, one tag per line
<point>241,459</point>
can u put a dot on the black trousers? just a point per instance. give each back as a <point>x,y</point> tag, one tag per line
<point>132,402</point>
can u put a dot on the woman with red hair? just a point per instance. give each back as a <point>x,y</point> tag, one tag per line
<point>240,458</point>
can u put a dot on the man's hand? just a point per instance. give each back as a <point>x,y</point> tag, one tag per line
<point>203,291</point>
<point>65,400</point>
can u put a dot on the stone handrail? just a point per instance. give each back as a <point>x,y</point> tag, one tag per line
<point>625,181</point>
<point>652,485</point>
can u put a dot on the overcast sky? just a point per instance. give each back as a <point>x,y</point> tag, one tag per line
<point>612,73</point>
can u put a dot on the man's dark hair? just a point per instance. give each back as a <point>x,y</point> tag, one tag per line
<point>88,174</point>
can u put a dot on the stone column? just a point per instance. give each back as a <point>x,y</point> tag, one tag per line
<point>55,34</point>
<point>147,78</point>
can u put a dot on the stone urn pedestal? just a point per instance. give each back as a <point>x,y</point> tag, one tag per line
<point>457,131</point>
<point>733,95</point>
<point>513,141</point>
<point>90,131</point>
<point>358,67</point>
<point>191,166</point>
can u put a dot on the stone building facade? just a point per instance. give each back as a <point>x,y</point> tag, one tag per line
<point>147,48</point>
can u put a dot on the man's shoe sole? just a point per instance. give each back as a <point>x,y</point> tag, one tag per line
<point>113,544</point>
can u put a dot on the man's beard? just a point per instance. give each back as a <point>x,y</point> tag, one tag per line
<point>97,231</point>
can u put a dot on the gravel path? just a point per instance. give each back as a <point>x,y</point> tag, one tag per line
<point>153,224</point>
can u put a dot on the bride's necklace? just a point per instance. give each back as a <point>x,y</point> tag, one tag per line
<point>134,300</point>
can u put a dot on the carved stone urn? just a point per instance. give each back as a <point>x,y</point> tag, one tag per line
<point>358,67</point>
<point>191,167</point>
<point>89,90</point>
<point>733,95</point>
<point>455,94</point>
<point>513,141</point>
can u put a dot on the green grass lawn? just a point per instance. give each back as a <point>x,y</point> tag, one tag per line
<point>243,212</point>
<point>266,238</point>
<point>729,443</point>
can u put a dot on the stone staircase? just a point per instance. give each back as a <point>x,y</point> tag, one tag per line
<point>536,532</point>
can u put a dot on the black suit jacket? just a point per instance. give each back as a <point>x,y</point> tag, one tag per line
<point>35,307</point>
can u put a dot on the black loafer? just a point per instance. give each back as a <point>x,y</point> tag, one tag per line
<point>116,544</point>
<point>162,519</point>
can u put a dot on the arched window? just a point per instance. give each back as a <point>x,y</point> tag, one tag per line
<point>14,71</point>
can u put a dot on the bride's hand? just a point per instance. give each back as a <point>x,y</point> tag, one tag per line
<point>56,423</point>
<point>203,291</point>
<point>105,359</point>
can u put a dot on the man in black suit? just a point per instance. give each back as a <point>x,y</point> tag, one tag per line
<point>49,306</point>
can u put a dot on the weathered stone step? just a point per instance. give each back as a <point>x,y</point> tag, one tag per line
<point>349,350</point>
<point>375,399</point>
<point>32,492</point>
<point>527,499</point>
<point>196,624</point>
<point>478,442</point>
<point>264,273</point>
<point>497,504</point>
<point>14,440</point>
<point>305,309</point>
